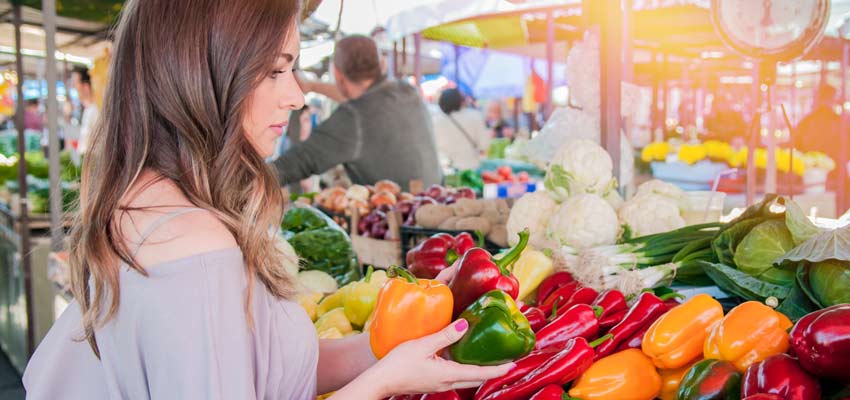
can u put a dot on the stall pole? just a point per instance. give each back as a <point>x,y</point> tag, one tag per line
<point>753,136</point>
<point>457,64</point>
<point>628,51</point>
<point>56,215</point>
<point>843,201</point>
<point>395,60</point>
<point>403,55</point>
<point>665,90</point>
<point>23,221</point>
<point>794,93</point>
<point>653,110</point>
<point>550,61</point>
<point>417,59</point>
<point>611,55</point>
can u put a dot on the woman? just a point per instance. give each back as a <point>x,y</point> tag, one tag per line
<point>461,134</point>
<point>179,291</point>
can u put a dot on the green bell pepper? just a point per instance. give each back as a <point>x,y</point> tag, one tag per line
<point>498,332</point>
<point>711,380</point>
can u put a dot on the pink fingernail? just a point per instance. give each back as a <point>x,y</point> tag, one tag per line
<point>461,325</point>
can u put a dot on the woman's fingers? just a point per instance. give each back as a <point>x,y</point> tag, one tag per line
<point>445,337</point>
<point>471,373</point>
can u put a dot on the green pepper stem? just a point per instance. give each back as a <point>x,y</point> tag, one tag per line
<point>555,306</point>
<point>451,257</point>
<point>669,296</point>
<point>479,239</point>
<point>599,341</point>
<point>598,311</point>
<point>514,253</point>
<point>369,272</point>
<point>398,272</point>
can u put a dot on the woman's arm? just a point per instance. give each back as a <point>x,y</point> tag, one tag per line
<point>342,360</point>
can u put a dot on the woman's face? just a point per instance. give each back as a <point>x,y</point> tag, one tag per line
<point>277,94</point>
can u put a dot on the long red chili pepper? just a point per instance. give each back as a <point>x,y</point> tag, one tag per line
<point>578,321</point>
<point>521,368</point>
<point>536,318</point>
<point>552,283</point>
<point>583,295</point>
<point>643,313</point>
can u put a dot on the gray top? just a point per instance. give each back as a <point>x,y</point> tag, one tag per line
<point>182,333</point>
<point>384,134</point>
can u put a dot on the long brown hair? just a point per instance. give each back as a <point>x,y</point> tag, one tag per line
<point>180,81</point>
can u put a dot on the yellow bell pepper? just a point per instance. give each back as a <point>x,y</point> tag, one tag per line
<point>750,333</point>
<point>530,270</point>
<point>310,303</point>
<point>334,319</point>
<point>331,301</point>
<point>360,299</point>
<point>677,338</point>
<point>671,379</point>
<point>331,333</point>
<point>628,374</point>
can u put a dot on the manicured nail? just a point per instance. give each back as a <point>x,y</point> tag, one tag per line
<point>461,325</point>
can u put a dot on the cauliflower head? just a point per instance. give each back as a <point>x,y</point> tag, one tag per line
<point>580,166</point>
<point>662,188</point>
<point>531,211</point>
<point>651,213</point>
<point>585,220</point>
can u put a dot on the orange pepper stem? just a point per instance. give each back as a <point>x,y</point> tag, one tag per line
<point>599,341</point>
<point>514,253</point>
<point>398,272</point>
<point>598,311</point>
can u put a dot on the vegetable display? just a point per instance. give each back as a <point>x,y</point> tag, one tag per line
<point>498,332</point>
<point>749,333</point>
<point>437,253</point>
<point>711,380</point>
<point>320,243</point>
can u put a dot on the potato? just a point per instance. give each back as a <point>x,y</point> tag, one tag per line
<point>467,207</point>
<point>449,224</point>
<point>474,224</point>
<point>432,215</point>
<point>499,235</point>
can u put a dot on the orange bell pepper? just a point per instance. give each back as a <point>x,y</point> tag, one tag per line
<point>628,374</point>
<point>750,333</point>
<point>677,337</point>
<point>408,309</point>
<point>671,379</point>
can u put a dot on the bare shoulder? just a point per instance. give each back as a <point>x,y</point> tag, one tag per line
<point>164,226</point>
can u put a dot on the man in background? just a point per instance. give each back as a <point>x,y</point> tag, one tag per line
<point>82,84</point>
<point>381,129</point>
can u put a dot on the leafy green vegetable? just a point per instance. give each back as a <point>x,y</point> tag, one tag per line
<point>725,244</point>
<point>764,244</point>
<point>829,245</point>
<point>558,182</point>
<point>741,284</point>
<point>321,244</point>
<point>302,219</point>
<point>797,304</point>
<point>830,282</point>
<point>801,228</point>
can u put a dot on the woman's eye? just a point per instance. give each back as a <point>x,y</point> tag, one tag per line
<point>277,72</point>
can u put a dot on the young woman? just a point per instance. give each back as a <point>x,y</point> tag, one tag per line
<point>179,291</point>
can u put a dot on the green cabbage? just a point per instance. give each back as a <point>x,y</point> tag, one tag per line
<point>830,282</point>
<point>758,250</point>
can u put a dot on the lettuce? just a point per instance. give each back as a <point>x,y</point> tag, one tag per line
<point>762,245</point>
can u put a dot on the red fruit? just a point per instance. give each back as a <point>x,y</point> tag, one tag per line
<point>523,177</point>
<point>505,171</point>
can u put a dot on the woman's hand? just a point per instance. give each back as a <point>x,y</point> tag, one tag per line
<point>415,367</point>
<point>445,276</point>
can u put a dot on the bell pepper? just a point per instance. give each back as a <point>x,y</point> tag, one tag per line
<point>522,367</point>
<point>671,380</point>
<point>643,313</point>
<point>611,301</point>
<point>437,253</point>
<point>581,320</point>
<point>310,303</point>
<point>536,318</point>
<point>711,380</point>
<point>821,341</point>
<point>628,374</point>
<point>781,376</point>
<point>635,341</point>
<point>565,366</point>
<point>583,295</point>
<point>560,295</point>
<point>360,299</point>
<point>530,270</point>
<point>552,283</point>
<point>750,332</point>
<point>478,273</point>
<point>497,333</point>
<point>334,319</point>
<point>408,309</point>
<point>330,302</point>
<point>551,392</point>
<point>677,337</point>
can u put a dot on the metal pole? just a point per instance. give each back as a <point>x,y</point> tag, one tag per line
<point>417,58</point>
<point>23,221</point>
<point>611,54</point>
<point>794,93</point>
<point>403,55</point>
<point>395,60</point>
<point>843,200</point>
<point>665,89</point>
<point>628,51</point>
<point>754,134</point>
<point>457,64</point>
<point>550,61</point>
<point>653,110</point>
<point>56,215</point>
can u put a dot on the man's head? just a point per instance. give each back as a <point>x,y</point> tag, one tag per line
<point>450,101</point>
<point>825,96</point>
<point>32,104</point>
<point>356,65</point>
<point>82,82</point>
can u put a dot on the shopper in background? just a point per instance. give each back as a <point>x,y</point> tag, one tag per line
<point>33,118</point>
<point>381,129</point>
<point>461,134</point>
<point>496,121</point>
<point>179,290</point>
<point>820,131</point>
<point>724,123</point>
<point>82,84</point>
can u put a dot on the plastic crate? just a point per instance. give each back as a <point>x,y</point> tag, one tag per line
<point>413,235</point>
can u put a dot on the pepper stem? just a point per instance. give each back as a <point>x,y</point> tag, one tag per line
<point>451,257</point>
<point>598,311</point>
<point>514,253</point>
<point>555,307</point>
<point>601,340</point>
<point>479,237</point>
<point>398,272</point>
<point>672,295</point>
<point>369,272</point>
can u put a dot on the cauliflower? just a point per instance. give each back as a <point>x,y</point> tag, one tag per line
<point>289,257</point>
<point>531,211</point>
<point>583,221</point>
<point>581,166</point>
<point>649,214</point>
<point>662,188</point>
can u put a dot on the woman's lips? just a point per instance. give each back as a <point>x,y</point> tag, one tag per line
<point>278,128</point>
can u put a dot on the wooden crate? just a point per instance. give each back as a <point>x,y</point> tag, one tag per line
<point>377,252</point>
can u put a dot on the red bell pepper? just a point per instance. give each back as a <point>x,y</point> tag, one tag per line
<point>521,368</point>
<point>437,253</point>
<point>551,392</point>
<point>567,365</point>
<point>642,314</point>
<point>478,273</point>
<point>821,341</point>
<point>606,323</point>
<point>536,318</point>
<point>406,397</point>
<point>580,320</point>
<point>583,295</point>
<point>450,395</point>
<point>782,376</point>
<point>612,302</point>
<point>560,295</point>
<point>552,283</point>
